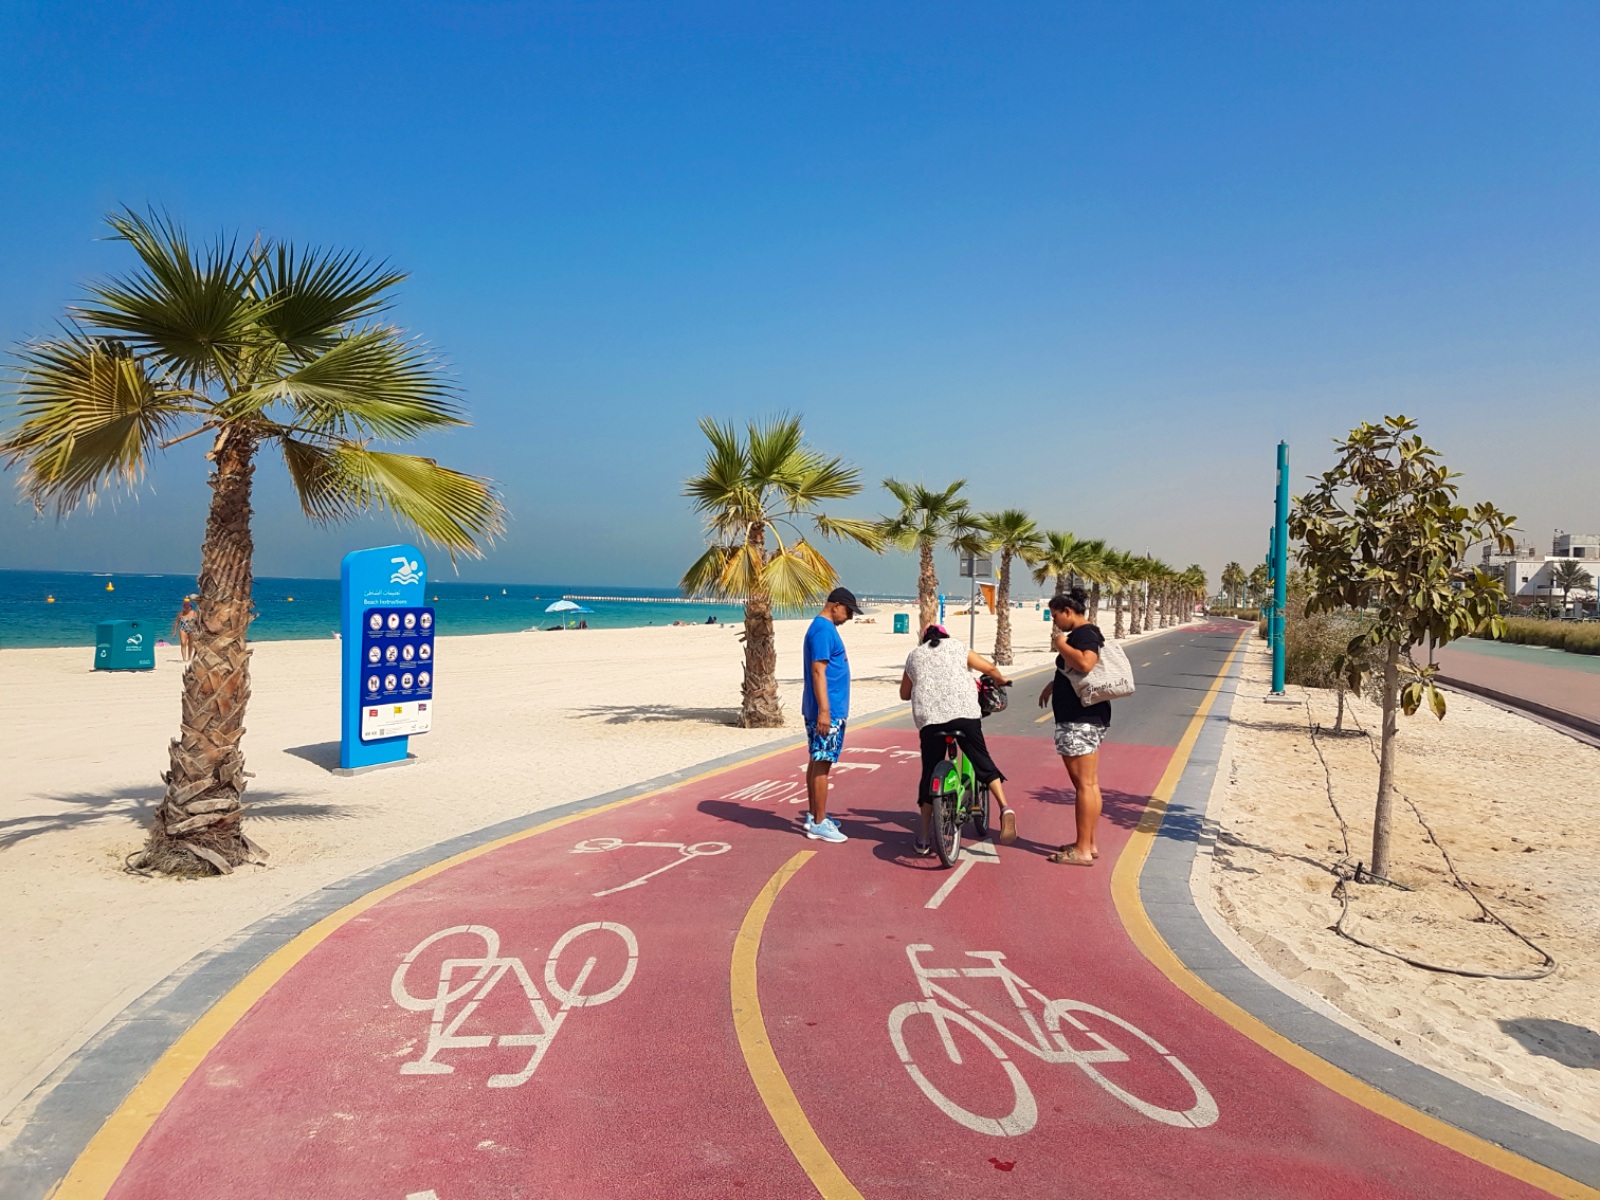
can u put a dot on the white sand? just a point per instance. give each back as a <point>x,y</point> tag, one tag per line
<point>601,709</point>
<point>1517,807</point>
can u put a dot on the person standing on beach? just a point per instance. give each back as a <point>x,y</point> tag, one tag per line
<point>825,705</point>
<point>184,625</point>
<point>1080,728</point>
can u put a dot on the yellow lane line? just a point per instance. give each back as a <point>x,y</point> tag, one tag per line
<point>782,1104</point>
<point>104,1158</point>
<point>1130,908</point>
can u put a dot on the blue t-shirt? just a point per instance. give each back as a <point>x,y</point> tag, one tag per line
<point>823,644</point>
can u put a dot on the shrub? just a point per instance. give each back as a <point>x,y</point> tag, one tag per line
<point>1313,646</point>
<point>1578,637</point>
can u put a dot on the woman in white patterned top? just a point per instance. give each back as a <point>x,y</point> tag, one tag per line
<point>944,702</point>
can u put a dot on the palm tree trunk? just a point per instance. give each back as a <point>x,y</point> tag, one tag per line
<point>1134,624</point>
<point>198,819</point>
<point>760,709</point>
<point>1116,598</point>
<point>1002,613</point>
<point>1380,817</point>
<point>1061,585</point>
<point>1094,603</point>
<point>927,590</point>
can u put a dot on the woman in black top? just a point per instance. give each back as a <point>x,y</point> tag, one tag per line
<point>1080,728</point>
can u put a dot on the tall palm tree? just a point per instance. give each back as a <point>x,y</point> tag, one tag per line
<point>1056,558</point>
<point>764,483</point>
<point>1094,567</point>
<point>1570,576</point>
<point>926,520</point>
<point>1258,583</point>
<point>1014,534</point>
<point>1233,581</point>
<point>1194,584</point>
<point>1120,568</point>
<point>249,346</point>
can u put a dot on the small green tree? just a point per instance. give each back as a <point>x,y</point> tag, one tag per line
<point>1383,533</point>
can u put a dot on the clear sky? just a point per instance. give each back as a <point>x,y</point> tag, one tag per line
<point>1095,257</point>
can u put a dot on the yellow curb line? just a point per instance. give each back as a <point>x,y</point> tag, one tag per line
<point>1130,909</point>
<point>105,1157</point>
<point>782,1104</point>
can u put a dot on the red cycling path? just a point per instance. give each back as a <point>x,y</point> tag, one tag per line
<point>681,995</point>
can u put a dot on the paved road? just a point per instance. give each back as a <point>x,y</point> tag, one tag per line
<point>681,996</point>
<point>1565,683</point>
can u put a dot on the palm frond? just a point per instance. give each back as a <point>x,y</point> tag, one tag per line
<point>798,576</point>
<point>865,533</point>
<point>775,450</point>
<point>372,382</point>
<point>313,295</point>
<point>90,415</point>
<point>454,511</point>
<point>704,576</point>
<point>194,312</point>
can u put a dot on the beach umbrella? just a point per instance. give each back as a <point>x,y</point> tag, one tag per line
<point>566,606</point>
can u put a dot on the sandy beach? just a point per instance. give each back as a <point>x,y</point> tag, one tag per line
<point>526,722</point>
<point>1514,804</point>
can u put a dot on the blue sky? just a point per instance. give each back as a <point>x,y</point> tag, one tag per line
<point>1097,258</point>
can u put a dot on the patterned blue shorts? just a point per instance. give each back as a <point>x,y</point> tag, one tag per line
<point>826,747</point>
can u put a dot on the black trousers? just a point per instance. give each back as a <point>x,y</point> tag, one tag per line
<point>968,732</point>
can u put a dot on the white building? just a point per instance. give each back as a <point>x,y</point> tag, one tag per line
<point>1530,580</point>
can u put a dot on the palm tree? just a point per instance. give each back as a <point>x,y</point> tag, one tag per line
<point>1120,568</point>
<point>763,483</point>
<point>1094,568</point>
<point>1194,583</point>
<point>1258,583</point>
<point>926,519</point>
<point>1570,576</point>
<point>1059,556</point>
<point>1233,581</point>
<point>1015,535</point>
<point>265,344</point>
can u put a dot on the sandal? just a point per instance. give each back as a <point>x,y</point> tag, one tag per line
<point>1094,854</point>
<point>1069,857</point>
<point>922,848</point>
<point>1008,826</point>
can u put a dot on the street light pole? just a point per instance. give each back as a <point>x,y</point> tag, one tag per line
<point>1280,569</point>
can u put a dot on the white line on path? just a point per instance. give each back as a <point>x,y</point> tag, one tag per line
<point>976,853</point>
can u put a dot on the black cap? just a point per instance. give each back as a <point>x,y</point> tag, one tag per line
<point>847,598</point>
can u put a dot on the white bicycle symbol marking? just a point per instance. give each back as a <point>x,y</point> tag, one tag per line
<point>685,853</point>
<point>486,970</point>
<point>1048,1042</point>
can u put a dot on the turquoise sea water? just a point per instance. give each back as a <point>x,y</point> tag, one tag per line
<point>309,608</point>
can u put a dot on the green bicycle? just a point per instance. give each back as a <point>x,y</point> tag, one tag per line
<point>955,792</point>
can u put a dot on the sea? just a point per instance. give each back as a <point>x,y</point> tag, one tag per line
<point>59,608</point>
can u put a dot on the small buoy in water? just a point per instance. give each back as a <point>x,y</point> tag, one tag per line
<point>109,587</point>
<point>290,600</point>
<point>49,599</point>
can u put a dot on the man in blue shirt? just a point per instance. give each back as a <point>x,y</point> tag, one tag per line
<point>826,706</point>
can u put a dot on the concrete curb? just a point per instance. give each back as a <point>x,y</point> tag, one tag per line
<point>1166,892</point>
<point>1566,722</point>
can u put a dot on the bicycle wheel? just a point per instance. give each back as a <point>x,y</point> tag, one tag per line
<point>980,812</point>
<point>1024,1114</point>
<point>946,793</point>
<point>1199,1115</point>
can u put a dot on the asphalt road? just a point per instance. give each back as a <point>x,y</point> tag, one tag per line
<point>681,995</point>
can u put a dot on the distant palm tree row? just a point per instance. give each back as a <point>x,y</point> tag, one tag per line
<point>767,483</point>
<point>1238,586</point>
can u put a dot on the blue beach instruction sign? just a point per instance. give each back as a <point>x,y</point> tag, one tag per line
<point>387,668</point>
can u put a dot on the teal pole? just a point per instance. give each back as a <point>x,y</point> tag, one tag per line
<point>1280,568</point>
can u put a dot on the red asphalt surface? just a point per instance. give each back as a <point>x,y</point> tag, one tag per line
<point>646,1093</point>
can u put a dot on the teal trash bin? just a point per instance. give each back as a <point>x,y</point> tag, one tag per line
<point>902,622</point>
<point>124,646</point>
